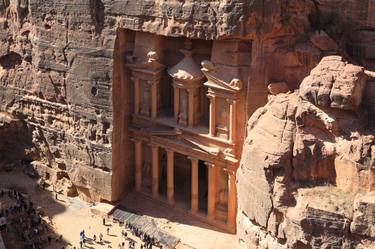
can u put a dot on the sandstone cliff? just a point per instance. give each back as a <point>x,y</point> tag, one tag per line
<point>60,65</point>
<point>306,178</point>
<point>60,77</point>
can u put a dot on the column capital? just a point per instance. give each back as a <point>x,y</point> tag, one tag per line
<point>230,170</point>
<point>153,146</point>
<point>169,150</point>
<point>209,164</point>
<point>136,139</point>
<point>231,101</point>
<point>190,90</point>
<point>211,96</point>
<point>192,158</point>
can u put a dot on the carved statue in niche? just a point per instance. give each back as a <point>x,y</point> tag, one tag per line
<point>182,117</point>
<point>223,121</point>
<point>222,198</point>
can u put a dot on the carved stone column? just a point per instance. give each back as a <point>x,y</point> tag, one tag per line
<point>155,170</point>
<point>154,100</point>
<point>170,176</point>
<point>194,185</point>
<point>138,164</point>
<point>191,106</point>
<point>232,199</point>
<point>176,102</point>
<point>232,120</point>
<point>136,95</point>
<point>212,175</point>
<point>212,115</point>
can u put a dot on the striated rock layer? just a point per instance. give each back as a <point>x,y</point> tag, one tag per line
<point>313,185</point>
<point>62,71</point>
<point>62,84</point>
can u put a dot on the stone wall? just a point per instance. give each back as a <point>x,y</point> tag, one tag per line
<point>62,70</point>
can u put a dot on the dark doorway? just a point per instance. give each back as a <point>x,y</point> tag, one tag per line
<point>163,182</point>
<point>182,179</point>
<point>203,186</point>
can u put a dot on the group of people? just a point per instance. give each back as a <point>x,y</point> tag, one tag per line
<point>148,241</point>
<point>24,220</point>
<point>19,216</point>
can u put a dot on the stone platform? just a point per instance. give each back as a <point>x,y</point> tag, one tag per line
<point>103,209</point>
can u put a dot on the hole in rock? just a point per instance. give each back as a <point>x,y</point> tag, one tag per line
<point>94,91</point>
<point>10,60</point>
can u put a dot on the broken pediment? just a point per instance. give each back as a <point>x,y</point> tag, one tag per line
<point>221,77</point>
<point>150,65</point>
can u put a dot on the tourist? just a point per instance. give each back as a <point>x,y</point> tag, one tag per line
<point>94,238</point>
<point>103,221</point>
<point>101,237</point>
<point>107,230</point>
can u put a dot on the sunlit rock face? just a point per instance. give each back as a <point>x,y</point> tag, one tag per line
<point>58,70</point>
<point>62,70</point>
<point>312,186</point>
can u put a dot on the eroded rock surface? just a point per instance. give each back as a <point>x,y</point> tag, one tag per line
<point>306,178</point>
<point>60,79</point>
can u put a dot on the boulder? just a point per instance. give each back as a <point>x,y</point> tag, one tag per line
<point>364,215</point>
<point>305,156</point>
<point>334,83</point>
<point>275,88</point>
<point>321,40</point>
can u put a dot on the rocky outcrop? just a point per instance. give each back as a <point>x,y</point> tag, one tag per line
<point>56,74</point>
<point>312,185</point>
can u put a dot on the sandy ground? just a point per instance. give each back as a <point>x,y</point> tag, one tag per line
<point>192,232</point>
<point>72,215</point>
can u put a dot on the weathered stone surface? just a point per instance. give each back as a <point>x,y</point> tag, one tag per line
<point>333,83</point>
<point>321,40</point>
<point>364,215</point>
<point>272,125</point>
<point>61,71</point>
<point>14,138</point>
<point>275,88</point>
<point>304,159</point>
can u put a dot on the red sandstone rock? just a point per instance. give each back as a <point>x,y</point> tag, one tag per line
<point>333,83</point>
<point>312,139</point>
<point>278,87</point>
<point>321,40</point>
